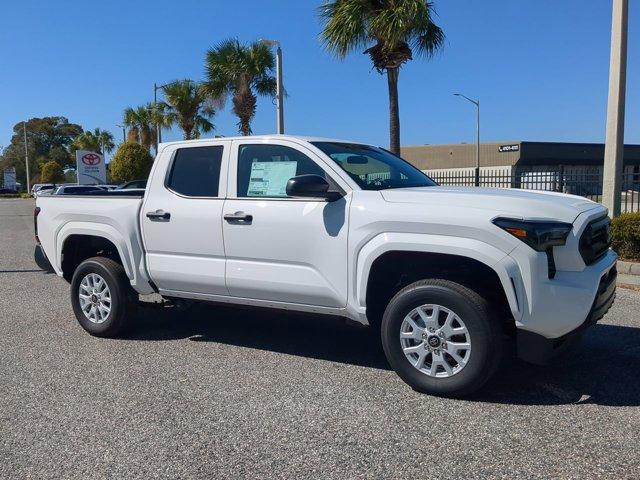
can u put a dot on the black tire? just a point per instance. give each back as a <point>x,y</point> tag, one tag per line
<point>122,296</point>
<point>484,331</point>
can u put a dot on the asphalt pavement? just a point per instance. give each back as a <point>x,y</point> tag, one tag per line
<point>236,393</point>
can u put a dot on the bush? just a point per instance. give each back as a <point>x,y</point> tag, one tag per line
<point>131,162</point>
<point>625,235</point>
<point>51,172</point>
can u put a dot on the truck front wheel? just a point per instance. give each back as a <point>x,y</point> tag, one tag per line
<point>441,338</point>
<point>101,296</point>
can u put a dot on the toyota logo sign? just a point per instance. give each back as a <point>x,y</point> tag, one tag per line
<point>90,167</point>
<point>91,159</point>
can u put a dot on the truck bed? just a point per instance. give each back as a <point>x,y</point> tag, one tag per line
<point>112,215</point>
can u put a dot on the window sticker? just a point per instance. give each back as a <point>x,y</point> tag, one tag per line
<point>269,179</point>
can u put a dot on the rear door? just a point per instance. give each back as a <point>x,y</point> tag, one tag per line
<point>181,218</point>
<point>280,248</point>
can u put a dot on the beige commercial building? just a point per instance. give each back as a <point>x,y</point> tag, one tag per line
<point>514,154</point>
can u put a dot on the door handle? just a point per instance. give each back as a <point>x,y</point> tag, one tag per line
<point>238,217</point>
<point>159,215</point>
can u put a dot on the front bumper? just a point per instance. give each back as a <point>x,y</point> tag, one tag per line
<point>535,348</point>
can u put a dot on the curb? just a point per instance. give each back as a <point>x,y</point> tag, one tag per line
<point>628,268</point>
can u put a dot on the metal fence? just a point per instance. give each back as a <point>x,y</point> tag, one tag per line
<point>584,181</point>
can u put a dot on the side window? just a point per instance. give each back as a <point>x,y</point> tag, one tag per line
<point>195,171</point>
<point>263,170</point>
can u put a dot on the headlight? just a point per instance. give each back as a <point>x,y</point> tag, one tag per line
<point>538,235</point>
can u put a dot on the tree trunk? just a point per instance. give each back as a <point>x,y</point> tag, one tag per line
<point>394,110</point>
<point>133,135</point>
<point>146,137</point>
<point>244,106</point>
<point>245,126</point>
<point>186,130</point>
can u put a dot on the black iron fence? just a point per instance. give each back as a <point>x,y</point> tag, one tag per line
<point>583,181</point>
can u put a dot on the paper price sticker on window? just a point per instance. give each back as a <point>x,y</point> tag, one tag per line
<point>269,179</point>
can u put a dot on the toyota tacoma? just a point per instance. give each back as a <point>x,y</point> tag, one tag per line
<point>453,278</point>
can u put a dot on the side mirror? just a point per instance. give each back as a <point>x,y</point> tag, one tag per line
<point>311,186</point>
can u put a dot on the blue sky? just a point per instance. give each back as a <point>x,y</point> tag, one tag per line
<point>540,68</point>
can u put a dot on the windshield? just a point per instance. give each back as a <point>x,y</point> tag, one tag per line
<point>374,168</point>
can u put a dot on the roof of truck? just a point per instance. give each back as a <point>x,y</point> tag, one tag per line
<point>264,137</point>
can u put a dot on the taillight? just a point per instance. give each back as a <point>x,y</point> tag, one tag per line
<point>36,212</point>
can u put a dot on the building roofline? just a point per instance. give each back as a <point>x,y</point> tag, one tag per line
<point>505,142</point>
<point>508,142</point>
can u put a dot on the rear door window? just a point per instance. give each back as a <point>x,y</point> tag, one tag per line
<point>195,171</point>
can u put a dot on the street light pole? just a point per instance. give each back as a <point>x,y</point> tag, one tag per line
<point>155,106</point>
<point>124,133</point>
<point>279,91</point>
<point>477,104</point>
<point>614,144</point>
<point>279,86</point>
<point>26,157</point>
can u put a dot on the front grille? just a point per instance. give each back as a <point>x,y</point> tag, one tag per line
<point>595,240</point>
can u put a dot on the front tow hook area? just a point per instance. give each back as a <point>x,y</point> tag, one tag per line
<point>535,348</point>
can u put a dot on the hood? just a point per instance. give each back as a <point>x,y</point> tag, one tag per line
<point>508,202</point>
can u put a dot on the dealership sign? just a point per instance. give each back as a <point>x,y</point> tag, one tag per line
<point>9,180</point>
<point>509,148</point>
<point>90,168</point>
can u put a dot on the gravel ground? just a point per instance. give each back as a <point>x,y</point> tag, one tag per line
<point>228,393</point>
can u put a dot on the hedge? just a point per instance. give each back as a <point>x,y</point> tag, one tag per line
<point>131,162</point>
<point>625,235</point>
<point>15,195</point>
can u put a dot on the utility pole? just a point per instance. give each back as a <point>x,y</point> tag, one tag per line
<point>26,156</point>
<point>614,145</point>
<point>478,144</point>
<point>155,107</point>
<point>279,91</point>
<point>477,104</point>
<point>279,86</point>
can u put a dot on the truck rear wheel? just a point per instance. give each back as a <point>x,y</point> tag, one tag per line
<point>441,338</point>
<point>101,296</point>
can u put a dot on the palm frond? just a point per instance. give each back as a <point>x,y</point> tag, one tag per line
<point>429,40</point>
<point>186,104</point>
<point>265,85</point>
<point>237,70</point>
<point>389,28</point>
<point>345,25</point>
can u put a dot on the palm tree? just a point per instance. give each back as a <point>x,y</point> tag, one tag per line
<point>141,123</point>
<point>160,119</point>
<point>240,71</point>
<point>396,28</point>
<point>187,106</point>
<point>99,140</point>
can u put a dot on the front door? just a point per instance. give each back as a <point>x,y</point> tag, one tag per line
<point>279,248</point>
<point>182,220</point>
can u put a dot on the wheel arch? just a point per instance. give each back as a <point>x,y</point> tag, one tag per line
<point>92,237</point>
<point>76,245</point>
<point>390,255</point>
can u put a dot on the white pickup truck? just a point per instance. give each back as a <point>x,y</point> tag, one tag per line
<point>450,275</point>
